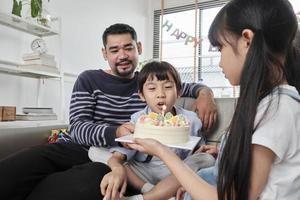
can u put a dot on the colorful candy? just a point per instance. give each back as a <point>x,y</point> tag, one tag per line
<point>168,119</point>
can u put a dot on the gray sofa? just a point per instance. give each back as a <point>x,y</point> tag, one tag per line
<point>225,108</point>
<point>13,139</point>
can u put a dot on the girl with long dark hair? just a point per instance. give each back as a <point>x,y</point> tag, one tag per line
<point>261,157</point>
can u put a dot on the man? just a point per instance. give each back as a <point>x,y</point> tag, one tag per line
<point>101,104</point>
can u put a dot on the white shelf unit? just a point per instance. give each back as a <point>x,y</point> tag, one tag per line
<point>13,68</point>
<point>21,24</point>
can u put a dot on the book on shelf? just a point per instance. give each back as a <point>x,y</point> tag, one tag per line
<point>33,56</point>
<point>37,110</point>
<point>43,68</point>
<point>46,62</point>
<point>36,117</point>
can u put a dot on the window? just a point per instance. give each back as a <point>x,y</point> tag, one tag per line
<point>178,31</point>
<point>296,5</point>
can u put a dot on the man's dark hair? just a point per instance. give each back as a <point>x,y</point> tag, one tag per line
<point>118,29</point>
<point>161,70</point>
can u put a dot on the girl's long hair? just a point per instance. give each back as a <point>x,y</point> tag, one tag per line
<point>271,59</point>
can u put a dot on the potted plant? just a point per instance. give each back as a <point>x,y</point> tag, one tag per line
<point>17,8</point>
<point>36,10</point>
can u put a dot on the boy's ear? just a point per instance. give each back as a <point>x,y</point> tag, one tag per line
<point>142,96</point>
<point>247,36</point>
<point>104,53</point>
<point>139,47</point>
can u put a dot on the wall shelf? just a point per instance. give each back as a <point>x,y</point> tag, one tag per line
<point>21,24</point>
<point>8,67</point>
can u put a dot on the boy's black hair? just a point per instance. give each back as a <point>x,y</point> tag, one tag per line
<point>118,29</point>
<point>161,70</point>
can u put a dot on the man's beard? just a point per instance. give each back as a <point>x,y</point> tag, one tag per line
<point>125,74</point>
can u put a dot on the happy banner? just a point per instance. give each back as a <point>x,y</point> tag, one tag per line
<point>178,34</point>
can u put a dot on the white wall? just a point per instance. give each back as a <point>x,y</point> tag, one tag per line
<point>82,24</point>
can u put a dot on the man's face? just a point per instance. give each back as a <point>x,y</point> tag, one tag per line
<point>122,53</point>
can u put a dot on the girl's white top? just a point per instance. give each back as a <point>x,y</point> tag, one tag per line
<point>280,131</point>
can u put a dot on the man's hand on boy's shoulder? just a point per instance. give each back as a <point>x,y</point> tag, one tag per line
<point>206,108</point>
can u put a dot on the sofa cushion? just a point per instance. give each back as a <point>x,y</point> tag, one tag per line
<point>14,139</point>
<point>225,108</point>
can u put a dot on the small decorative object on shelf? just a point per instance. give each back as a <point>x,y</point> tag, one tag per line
<point>39,60</point>
<point>44,18</point>
<point>7,113</point>
<point>17,8</point>
<point>38,110</point>
<point>38,45</point>
<point>36,114</point>
<point>35,11</point>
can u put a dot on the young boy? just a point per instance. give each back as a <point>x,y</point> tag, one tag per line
<point>159,84</point>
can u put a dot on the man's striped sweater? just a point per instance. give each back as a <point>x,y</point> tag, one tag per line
<point>101,102</point>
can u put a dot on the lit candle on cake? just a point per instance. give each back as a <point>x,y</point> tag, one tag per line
<point>162,122</point>
<point>164,107</point>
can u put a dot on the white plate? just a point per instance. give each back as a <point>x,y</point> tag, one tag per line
<point>190,145</point>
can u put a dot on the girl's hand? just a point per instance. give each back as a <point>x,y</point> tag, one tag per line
<point>113,184</point>
<point>149,146</point>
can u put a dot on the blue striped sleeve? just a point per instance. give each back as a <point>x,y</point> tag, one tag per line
<point>83,128</point>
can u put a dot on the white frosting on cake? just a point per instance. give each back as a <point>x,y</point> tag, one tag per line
<point>165,134</point>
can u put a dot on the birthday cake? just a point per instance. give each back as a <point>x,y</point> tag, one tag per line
<point>167,129</point>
